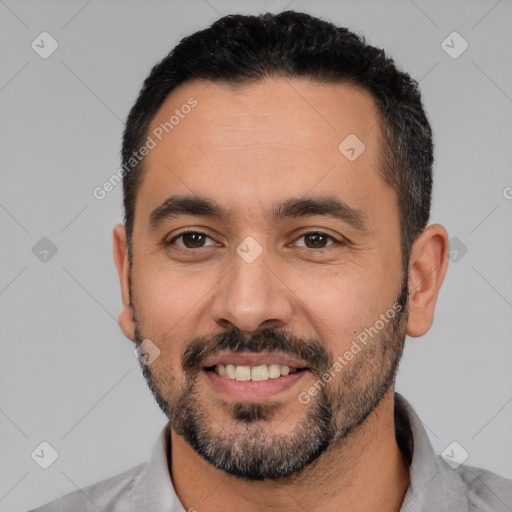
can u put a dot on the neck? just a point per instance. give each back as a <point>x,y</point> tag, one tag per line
<point>365,472</point>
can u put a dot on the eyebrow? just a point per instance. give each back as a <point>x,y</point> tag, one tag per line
<point>327,206</point>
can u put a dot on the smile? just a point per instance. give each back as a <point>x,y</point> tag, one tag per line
<point>249,376</point>
<point>254,373</point>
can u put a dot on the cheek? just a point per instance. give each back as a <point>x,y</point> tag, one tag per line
<point>165,298</point>
<point>161,313</point>
<point>342,305</point>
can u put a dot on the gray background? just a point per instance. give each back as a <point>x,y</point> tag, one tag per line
<point>67,374</point>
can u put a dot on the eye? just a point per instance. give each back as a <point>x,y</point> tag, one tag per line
<point>317,240</point>
<point>190,240</point>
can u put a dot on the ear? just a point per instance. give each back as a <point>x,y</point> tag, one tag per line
<point>123,269</point>
<point>427,267</point>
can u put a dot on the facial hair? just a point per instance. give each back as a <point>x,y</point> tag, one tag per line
<point>256,451</point>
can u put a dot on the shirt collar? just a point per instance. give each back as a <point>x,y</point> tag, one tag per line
<point>414,443</point>
<point>153,489</point>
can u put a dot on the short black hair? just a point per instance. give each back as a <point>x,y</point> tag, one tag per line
<point>238,50</point>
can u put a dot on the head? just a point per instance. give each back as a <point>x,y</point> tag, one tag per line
<point>259,133</point>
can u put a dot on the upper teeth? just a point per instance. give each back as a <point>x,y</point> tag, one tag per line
<point>263,372</point>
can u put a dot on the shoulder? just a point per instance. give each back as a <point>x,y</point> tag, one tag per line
<point>484,490</point>
<point>112,494</point>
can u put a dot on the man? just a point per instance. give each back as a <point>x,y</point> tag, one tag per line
<point>275,253</point>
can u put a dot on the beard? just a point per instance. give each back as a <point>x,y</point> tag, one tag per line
<point>254,450</point>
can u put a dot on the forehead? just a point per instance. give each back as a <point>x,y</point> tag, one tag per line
<point>264,141</point>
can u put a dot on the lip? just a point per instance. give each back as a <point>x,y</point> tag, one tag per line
<point>254,359</point>
<point>246,391</point>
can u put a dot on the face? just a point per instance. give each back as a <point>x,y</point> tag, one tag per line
<point>267,271</point>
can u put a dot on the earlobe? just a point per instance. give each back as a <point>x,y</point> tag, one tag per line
<point>120,246</point>
<point>427,267</point>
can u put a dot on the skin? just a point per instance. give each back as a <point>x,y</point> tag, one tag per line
<point>249,148</point>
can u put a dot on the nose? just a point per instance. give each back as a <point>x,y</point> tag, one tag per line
<point>252,296</point>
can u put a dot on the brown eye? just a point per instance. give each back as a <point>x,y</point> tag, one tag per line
<point>190,240</point>
<point>317,240</point>
<point>193,240</point>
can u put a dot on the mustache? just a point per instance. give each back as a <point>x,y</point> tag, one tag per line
<point>308,350</point>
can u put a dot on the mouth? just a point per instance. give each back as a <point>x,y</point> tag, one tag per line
<point>252,376</point>
<point>253,373</point>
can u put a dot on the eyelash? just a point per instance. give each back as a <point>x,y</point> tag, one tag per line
<point>186,249</point>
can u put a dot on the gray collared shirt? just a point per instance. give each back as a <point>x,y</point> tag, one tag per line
<point>434,485</point>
